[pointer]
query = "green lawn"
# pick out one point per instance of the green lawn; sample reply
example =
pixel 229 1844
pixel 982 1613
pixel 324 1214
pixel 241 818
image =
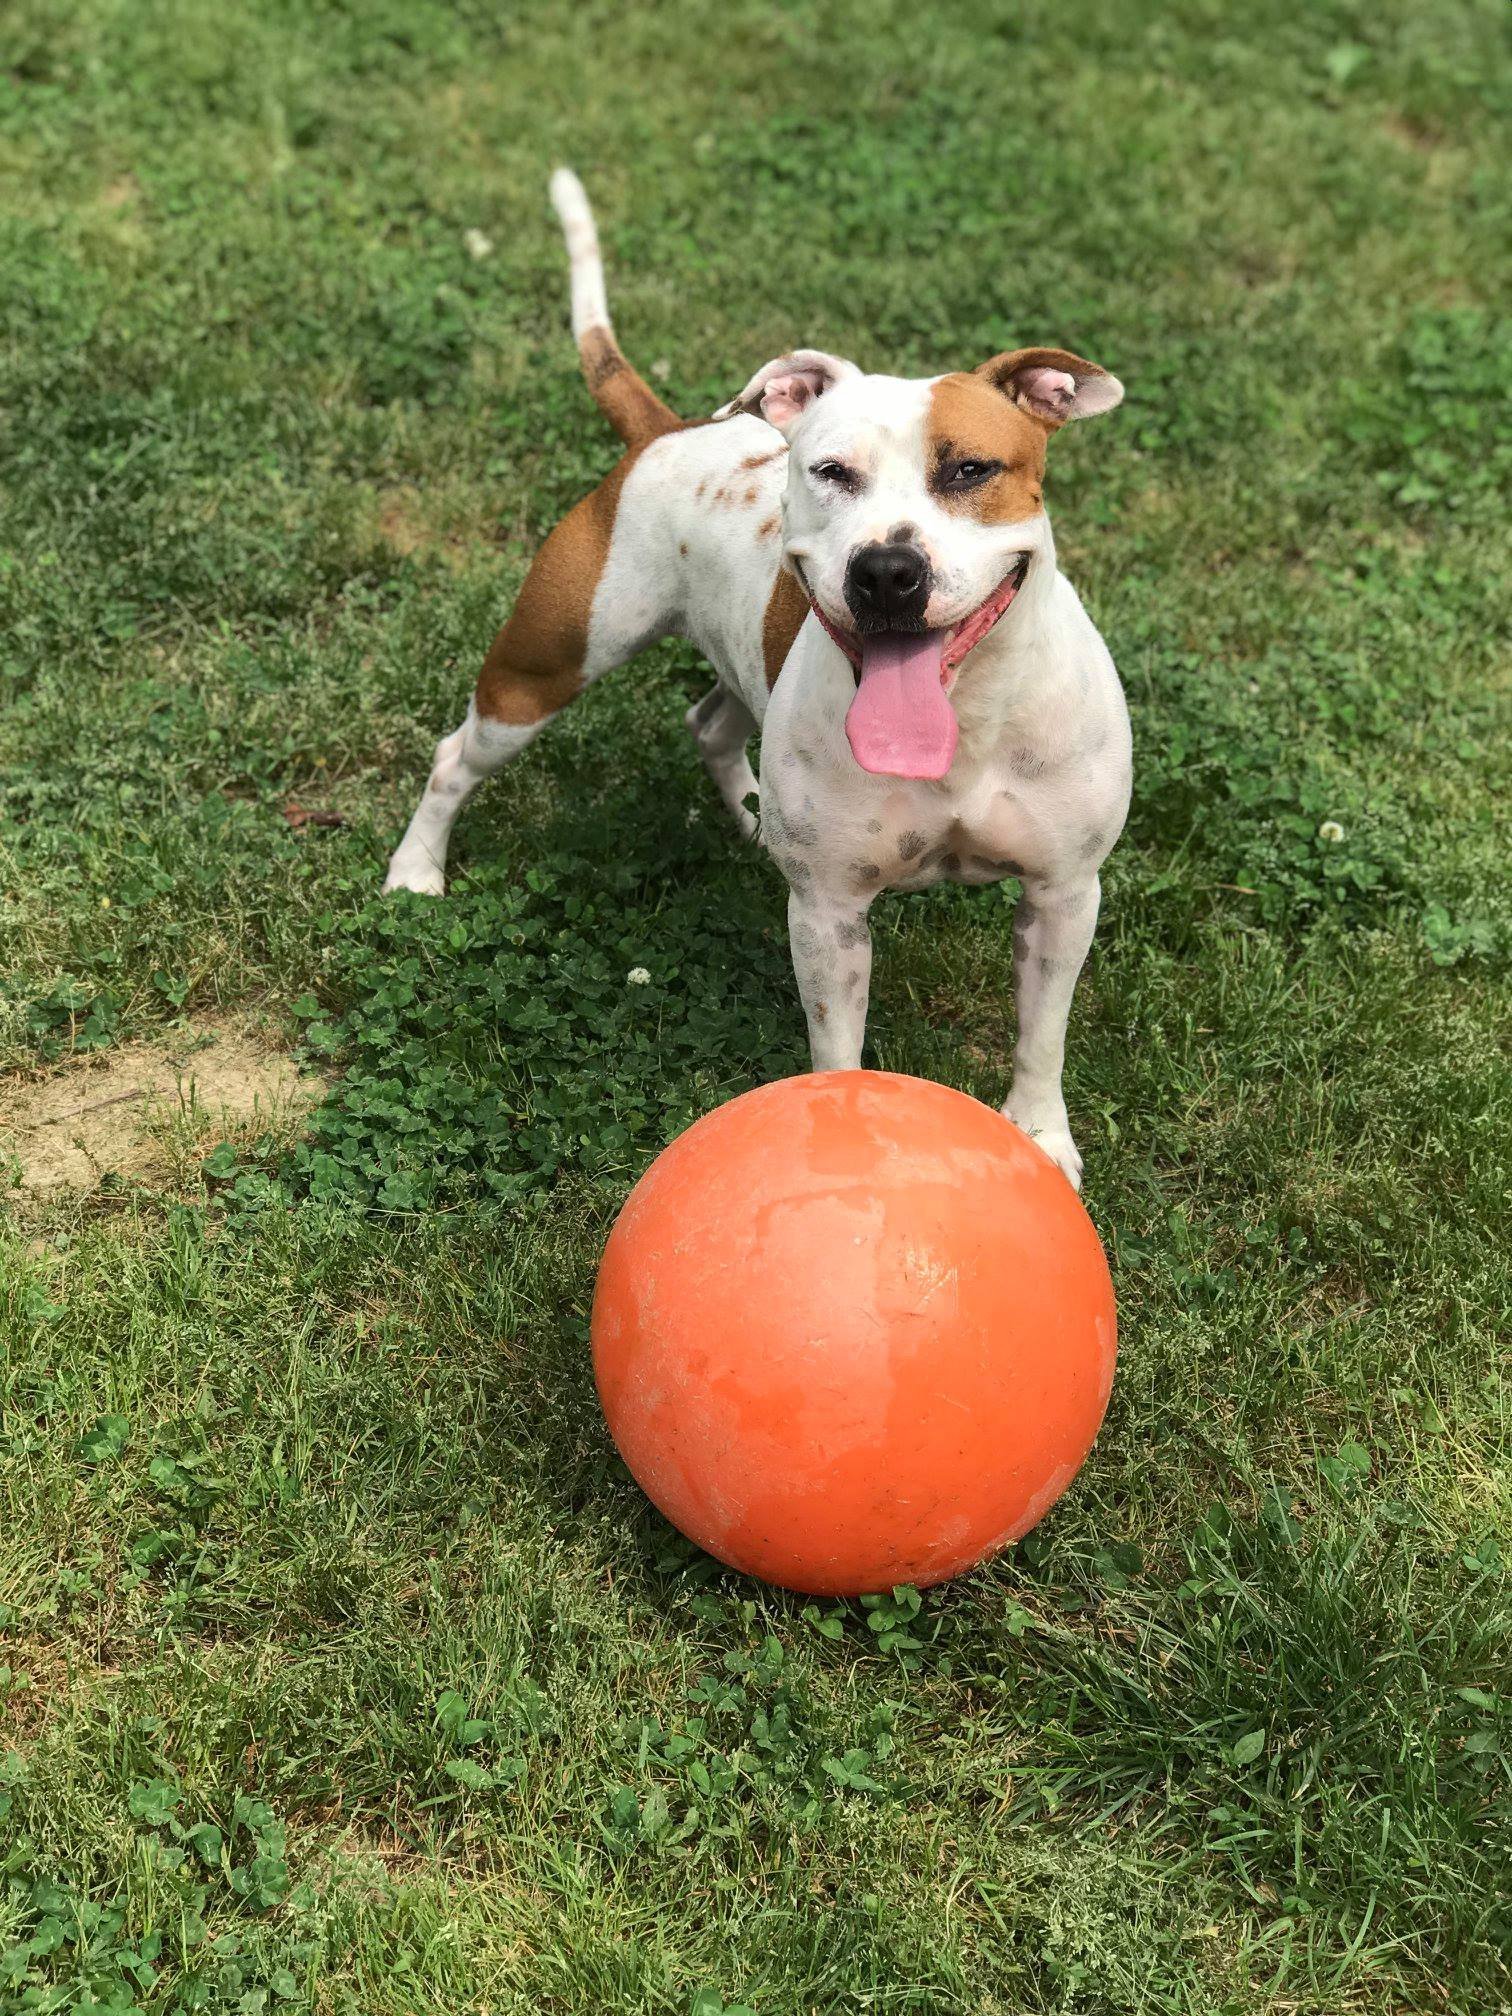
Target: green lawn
pixel 343 1667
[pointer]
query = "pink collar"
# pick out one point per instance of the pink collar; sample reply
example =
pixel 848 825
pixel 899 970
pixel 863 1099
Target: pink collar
pixel 966 635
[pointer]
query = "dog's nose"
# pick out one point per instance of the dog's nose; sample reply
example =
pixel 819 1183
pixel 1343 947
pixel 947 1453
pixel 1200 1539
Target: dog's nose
pixel 887 586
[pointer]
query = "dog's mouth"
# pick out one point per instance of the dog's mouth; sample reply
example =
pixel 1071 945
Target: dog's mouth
pixel 901 722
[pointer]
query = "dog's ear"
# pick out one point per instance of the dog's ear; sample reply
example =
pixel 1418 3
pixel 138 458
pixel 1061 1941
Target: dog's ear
pixel 1053 386
pixel 783 388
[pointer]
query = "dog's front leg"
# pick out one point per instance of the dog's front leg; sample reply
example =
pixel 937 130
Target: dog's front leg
pixel 1052 930
pixel 831 946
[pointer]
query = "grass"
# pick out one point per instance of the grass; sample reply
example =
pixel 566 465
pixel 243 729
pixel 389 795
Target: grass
pixel 343 1666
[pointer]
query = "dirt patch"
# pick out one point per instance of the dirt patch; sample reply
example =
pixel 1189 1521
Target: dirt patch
pixel 1410 133
pixel 121 1114
pixel 37 1681
pixel 417 526
pixel 401 525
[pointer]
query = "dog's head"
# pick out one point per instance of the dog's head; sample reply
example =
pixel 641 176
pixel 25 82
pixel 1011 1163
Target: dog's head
pixel 913 516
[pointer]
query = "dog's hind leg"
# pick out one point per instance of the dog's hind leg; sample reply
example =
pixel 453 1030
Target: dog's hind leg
pixel 562 634
pixel 722 726
pixel 462 760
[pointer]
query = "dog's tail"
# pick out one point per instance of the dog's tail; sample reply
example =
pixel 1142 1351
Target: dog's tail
pixel 626 400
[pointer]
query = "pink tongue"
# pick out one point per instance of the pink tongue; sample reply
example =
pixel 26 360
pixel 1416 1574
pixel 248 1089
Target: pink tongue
pixel 900 723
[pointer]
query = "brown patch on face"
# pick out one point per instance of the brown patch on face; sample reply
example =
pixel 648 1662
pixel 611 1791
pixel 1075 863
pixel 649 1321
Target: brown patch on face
pixel 752 494
pixel 787 605
pixel 535 664
pixel 969 420
pixel 769 527
pixel 760 461
pixel 682 547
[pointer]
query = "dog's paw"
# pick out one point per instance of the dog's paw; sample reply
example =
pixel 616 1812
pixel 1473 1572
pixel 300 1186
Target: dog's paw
pixel 421 876
pixel 1054 1136
pixel 1063 1152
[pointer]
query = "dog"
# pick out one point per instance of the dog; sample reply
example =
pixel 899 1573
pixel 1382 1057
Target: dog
pixel 868 566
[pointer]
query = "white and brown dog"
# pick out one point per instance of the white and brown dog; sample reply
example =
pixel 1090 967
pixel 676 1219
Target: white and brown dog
pixel 867 563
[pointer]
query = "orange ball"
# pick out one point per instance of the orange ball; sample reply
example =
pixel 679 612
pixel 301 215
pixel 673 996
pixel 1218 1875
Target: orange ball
pixel 853 1330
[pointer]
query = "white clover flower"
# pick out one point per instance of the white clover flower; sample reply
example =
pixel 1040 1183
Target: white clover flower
pixel 1331 831
pixel 479 244
pixel 638 977
pixel 662 368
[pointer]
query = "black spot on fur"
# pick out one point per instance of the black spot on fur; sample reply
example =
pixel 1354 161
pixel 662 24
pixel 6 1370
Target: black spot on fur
pixel 911 845
pixel 601 357
pixel 986 866
pixel 1027 763
pixel 852 931
pixel 865 871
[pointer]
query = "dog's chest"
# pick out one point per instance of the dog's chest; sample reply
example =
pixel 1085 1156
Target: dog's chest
pixel 985 832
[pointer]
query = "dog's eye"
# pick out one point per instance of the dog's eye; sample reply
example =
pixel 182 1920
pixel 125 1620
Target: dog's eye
pixel 965 475
pixel 837 473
